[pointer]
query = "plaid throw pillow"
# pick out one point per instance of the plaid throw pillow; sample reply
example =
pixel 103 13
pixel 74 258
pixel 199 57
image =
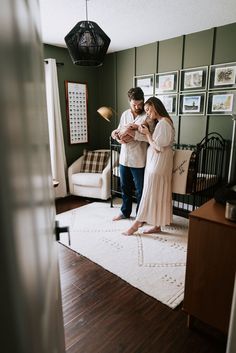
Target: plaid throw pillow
pixel 94 161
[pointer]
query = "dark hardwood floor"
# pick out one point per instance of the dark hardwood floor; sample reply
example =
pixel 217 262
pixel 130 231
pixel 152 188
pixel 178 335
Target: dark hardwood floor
pixel 104 314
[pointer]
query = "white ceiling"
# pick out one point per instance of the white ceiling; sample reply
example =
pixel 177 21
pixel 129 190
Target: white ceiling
pixel 132 23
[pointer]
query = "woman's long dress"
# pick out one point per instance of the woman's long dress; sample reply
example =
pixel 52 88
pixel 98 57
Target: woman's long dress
pixel 156 204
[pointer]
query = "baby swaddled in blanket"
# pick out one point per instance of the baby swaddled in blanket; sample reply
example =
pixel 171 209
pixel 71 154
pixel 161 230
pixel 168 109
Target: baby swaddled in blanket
pixel 127 132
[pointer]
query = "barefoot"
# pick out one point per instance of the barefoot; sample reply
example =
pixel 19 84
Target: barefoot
pixel 118 217
pixel 133 229
pixel 141 224
pixel 130 231
pixel 153 230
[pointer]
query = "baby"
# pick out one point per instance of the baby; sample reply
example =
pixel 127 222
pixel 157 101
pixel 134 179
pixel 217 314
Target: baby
pixel 126 133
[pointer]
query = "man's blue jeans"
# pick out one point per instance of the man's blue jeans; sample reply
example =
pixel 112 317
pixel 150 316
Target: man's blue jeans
pixel 130 179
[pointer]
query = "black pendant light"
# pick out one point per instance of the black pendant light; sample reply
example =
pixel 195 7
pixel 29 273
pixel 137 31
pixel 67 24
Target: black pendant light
pixel 87 43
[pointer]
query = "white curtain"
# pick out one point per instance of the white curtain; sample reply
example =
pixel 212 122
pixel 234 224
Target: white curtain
pixel 57 149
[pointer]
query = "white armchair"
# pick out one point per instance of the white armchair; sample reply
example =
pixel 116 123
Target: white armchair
pixel 94 185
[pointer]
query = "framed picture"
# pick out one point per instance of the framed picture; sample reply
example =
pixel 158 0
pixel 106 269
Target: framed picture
pixel 221 103
pixel 146 82
pixel 166 82
pixel 76 110
pixel 222 76
pixel 192 103
pixel 170 102
pixel 194 79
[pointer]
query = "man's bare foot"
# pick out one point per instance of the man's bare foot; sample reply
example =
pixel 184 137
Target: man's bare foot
pixel 153 230
pixel 133 229
pixel 118 217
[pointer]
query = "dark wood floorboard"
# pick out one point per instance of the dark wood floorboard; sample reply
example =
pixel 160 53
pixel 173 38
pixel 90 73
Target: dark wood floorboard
pixel 68 203
pixel 104 314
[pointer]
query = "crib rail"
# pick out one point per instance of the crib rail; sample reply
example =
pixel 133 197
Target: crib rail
pixel 208 173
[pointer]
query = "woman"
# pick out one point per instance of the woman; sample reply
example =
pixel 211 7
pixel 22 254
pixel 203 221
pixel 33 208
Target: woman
pixel 156 202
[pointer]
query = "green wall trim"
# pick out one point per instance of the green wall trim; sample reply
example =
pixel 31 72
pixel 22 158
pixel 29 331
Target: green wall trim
pixel 146 59
pixel 198 49
pixel 170 54
pixel 225 48
pixel 125 73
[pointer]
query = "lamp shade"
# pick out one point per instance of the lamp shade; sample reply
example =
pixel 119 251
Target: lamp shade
pixel 105 112
pixel 87 44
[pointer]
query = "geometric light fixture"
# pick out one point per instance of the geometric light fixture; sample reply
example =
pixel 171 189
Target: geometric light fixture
pixel 106 113
pixel 87 43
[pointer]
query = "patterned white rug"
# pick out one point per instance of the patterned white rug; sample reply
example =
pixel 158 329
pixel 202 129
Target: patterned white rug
pixel 153 263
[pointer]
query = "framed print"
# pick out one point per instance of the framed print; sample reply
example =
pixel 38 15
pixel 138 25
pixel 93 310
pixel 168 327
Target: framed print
pixel 192 103
pixel 146 82
pixel 222 76
pixel 170 102
pixel 194 79
pixel 221 103
pixel 76 109
pixel 166 82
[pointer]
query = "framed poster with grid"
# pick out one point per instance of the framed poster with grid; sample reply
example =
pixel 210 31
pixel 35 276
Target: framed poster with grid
pixel 76 107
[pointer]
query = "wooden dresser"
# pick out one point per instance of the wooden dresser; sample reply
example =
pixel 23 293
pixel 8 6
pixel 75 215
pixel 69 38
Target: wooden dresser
pixel 211 266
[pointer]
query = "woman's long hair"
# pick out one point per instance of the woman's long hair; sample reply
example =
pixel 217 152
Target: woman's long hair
pixel 158 106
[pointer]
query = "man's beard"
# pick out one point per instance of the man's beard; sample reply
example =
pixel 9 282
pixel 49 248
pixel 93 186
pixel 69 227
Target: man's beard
pixel 138 111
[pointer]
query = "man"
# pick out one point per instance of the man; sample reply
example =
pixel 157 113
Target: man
pixel 133 151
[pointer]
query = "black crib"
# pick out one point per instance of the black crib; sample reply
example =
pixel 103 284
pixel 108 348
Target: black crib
pixel 206 173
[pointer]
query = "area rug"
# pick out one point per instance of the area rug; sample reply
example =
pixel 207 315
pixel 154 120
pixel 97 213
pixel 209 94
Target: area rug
pixel 153 263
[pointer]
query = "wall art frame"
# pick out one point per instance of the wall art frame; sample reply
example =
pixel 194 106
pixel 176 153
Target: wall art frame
pixel 222 76
pixel 76 110
pixel 166 82
pixel 221 103
pixel 192 103
pixel 146 82
pixel 193 79
pixel 170 102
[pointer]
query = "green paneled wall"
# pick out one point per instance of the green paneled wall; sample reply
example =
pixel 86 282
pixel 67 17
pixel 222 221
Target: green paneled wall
pixel 225 48
pixel 176 125
pixel 108 85
pixel 197 52
pixel 107 97
pixel 192 129
pixel 146 59
pixel 170 54
pixel 224 52
pixel 198 49
pixel 222 124
pixel 125 67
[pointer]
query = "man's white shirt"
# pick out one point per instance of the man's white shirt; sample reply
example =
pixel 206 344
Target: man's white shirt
pixel 133 154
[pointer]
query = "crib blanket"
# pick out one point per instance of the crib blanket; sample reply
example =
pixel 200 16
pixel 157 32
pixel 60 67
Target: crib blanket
pixel 180 170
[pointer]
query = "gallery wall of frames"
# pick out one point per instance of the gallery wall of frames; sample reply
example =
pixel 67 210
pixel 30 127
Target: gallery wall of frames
pixel 205 90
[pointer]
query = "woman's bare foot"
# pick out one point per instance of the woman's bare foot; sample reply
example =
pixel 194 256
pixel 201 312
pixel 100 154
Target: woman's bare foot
pixel 130 231
pixel 141 224
pixel 133 229
pixel 153 230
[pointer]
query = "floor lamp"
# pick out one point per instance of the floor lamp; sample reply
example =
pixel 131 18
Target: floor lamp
pixel 106 113
pixel 232 159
